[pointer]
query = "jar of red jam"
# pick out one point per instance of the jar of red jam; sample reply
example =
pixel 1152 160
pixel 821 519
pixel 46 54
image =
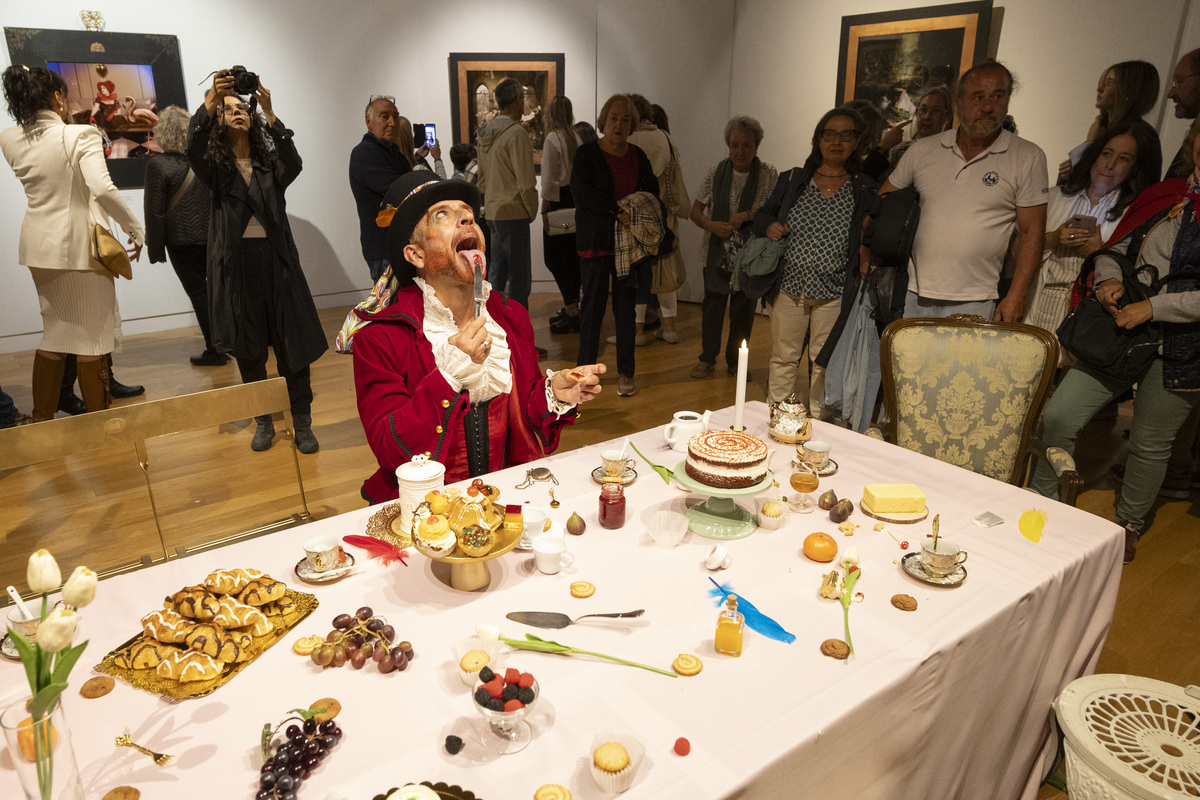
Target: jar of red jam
pixel 612 505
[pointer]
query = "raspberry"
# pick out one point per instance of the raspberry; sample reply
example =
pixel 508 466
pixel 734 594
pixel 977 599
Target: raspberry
pixel 511 676
pixel 495 687
pixel 513 705
pixel 525 695
pixel 509 693
pixel 682 746
pixel 495 704
pixel 482 696
pixel 453 745
pixel 486 674
pixel 525 681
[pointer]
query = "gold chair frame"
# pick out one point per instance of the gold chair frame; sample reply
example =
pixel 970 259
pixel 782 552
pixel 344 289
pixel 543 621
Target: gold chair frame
pixel 134 424
pixel 1069 482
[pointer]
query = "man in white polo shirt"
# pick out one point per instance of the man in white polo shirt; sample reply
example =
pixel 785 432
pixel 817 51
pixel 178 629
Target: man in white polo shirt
pixel 977 182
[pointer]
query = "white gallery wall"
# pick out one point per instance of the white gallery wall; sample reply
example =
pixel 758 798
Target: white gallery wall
pixel 702 60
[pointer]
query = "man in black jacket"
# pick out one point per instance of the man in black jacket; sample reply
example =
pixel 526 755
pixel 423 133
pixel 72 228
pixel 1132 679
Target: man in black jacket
pixel 375 162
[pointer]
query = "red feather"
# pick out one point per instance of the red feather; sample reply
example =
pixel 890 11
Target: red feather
pixel 377 548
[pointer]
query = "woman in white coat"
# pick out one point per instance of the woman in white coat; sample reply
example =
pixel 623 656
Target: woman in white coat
pixel 68 189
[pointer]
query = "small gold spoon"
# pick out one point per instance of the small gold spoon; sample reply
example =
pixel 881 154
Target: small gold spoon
pixel 162 759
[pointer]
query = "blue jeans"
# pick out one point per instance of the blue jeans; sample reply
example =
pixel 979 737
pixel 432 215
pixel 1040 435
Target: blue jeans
pixel 1157 416
pixel 8 410
pixel 509 269
pixel 377 267
pixel 916 306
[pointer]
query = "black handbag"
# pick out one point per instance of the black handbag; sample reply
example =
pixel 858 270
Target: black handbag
pixel 1091 334
pixel 890 234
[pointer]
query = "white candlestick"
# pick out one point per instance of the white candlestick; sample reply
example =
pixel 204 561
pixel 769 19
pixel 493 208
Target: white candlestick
pixel 739 406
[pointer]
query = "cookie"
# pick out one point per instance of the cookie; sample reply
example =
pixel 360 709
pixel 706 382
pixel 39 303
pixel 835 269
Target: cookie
pixel 332 708
pixel 552 791
pixel 687 664
pixel 835 648
pixel 474 661
pixel 582 589
pixel 904 602
pixel 122 793
pixel 96 687
pixel 306 644
pixel 610 757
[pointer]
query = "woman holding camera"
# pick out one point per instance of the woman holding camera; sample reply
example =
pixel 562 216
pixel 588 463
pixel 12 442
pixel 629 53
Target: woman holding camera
pixel 257 292
pixel 66 181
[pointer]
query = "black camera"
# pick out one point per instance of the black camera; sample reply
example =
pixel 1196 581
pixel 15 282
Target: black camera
pixel 244 82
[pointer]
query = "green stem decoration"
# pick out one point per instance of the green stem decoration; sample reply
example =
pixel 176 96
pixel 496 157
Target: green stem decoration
pixel 846 599
pixel 546 646
pixel 663 471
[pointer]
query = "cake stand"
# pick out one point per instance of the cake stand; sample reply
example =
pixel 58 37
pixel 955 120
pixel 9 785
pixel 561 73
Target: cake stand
pixel 469 573
pixel 719 517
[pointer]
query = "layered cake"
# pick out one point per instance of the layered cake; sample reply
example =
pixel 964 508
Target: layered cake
pixel 727 459
pixel 893 498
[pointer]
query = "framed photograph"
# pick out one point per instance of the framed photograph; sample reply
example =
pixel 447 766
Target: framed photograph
pixel 889 58
pixel 473 79
pixel 115 81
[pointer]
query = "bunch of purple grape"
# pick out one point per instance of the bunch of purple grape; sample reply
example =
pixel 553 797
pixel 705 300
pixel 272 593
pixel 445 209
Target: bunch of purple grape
pixel 361 638
pixel 294 760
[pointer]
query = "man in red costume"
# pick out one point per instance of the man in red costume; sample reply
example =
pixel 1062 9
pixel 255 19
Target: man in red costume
pixel 430 375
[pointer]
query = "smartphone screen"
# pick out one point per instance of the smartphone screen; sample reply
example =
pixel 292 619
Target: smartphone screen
pixel 430 135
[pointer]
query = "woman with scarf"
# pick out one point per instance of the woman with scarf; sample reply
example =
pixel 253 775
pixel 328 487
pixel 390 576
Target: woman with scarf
pixel 733 191
pixel 1160 229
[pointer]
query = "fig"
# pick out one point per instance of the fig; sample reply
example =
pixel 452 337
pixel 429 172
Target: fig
pixel 575 524
pixel 827 500
pixel 841 510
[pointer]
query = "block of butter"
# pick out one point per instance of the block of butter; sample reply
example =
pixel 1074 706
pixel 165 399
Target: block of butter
pixel 893 498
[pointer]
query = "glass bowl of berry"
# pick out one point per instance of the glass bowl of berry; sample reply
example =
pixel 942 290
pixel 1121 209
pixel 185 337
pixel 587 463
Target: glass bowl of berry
pixel 504 699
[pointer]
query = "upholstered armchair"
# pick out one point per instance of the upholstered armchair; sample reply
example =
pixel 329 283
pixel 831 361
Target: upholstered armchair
pixel 969 392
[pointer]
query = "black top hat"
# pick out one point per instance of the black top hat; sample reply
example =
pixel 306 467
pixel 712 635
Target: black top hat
pixel 407 200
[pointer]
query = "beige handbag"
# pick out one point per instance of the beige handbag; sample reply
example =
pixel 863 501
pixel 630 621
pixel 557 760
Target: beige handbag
pixel 560 221
pixel 103 245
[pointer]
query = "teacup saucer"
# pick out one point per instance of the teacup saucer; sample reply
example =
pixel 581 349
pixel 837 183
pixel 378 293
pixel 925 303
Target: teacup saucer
pixel 627 477
pixel 8 649
pixel 828 469
pixel 309 575
pixel 915 569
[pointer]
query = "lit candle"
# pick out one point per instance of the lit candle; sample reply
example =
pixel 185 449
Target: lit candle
pixel 739 406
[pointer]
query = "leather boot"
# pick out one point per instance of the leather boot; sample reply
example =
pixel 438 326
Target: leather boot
pixel 93 384
pixel 306 442
pixel 118 389
pixel 68 401
pixel 47 385
pixel 265 435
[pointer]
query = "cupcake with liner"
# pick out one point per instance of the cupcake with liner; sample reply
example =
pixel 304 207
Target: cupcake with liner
pixel 621 780
pixel 770 513
pixel 463 646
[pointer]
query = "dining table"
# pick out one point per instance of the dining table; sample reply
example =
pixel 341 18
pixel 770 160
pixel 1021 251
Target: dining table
pixel 950 700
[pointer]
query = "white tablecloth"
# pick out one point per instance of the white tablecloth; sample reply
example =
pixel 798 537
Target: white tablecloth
pixel 952 700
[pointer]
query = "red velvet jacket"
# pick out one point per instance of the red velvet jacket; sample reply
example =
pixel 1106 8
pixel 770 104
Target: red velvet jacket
pixel 407 407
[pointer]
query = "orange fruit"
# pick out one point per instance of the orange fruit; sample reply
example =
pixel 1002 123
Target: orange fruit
pixel 25 735
pixel 820 547
pixel 804 482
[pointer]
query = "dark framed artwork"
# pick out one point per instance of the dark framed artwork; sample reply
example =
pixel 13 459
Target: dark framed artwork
pixel 473 79
pixel 889 58
pixel 116 81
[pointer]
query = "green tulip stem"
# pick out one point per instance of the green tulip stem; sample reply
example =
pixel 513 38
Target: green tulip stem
pixel 539 645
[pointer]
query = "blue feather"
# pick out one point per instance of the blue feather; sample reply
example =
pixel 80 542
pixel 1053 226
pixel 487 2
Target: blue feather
pixel 755 619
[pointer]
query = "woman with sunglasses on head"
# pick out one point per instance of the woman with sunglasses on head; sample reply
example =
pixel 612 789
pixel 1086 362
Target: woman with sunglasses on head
pixel 257 292
pixel 819 208
pixel 1126 92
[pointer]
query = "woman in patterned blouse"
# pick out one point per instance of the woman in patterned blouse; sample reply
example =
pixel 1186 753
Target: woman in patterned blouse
pixel 819 208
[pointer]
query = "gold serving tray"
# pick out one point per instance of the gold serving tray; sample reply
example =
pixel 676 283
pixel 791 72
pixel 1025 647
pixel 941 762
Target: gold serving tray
pixel 149 680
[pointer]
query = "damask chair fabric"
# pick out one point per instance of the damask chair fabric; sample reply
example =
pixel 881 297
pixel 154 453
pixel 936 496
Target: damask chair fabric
pixel 969 392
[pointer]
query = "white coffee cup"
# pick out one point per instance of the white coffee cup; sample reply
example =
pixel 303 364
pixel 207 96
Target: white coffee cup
pixel 26 626
pixel 323 553
pixel 550 554
pixel 534 523
pixel 614 465
pixel 942 561
pixel 815 453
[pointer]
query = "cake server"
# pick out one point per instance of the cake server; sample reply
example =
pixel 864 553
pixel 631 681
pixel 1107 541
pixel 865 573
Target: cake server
pixel 554 621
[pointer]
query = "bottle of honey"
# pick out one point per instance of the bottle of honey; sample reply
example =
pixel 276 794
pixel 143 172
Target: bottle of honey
pixel 730 627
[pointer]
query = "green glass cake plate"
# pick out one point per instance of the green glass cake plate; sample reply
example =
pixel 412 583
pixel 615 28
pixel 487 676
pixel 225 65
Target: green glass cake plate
pixel 719 517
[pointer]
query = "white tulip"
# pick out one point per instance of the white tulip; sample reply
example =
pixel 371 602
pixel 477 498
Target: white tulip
pixel 80 588
pixel 487 631
pixel 850 557
pixel 57 630
pixel 42 574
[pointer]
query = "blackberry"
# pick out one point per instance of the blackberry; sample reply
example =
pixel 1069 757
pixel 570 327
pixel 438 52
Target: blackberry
pixel 525 695
pixel 482 696
pixel 495 704
pixel 486 674
pixel 453 745
pixel 509 693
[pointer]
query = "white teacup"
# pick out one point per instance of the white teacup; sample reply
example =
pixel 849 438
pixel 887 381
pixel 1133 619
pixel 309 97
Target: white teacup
pixel 534 524
pixel 614 465
pixel 815 453
pixel 26 626
pixel 323 553
pixel 550 554
pixel 942 561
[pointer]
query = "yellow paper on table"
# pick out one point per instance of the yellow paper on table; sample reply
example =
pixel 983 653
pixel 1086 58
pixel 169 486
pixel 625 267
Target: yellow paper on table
pixel 1031 524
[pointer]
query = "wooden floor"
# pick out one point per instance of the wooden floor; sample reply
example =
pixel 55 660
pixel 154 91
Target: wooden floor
pixel 94 509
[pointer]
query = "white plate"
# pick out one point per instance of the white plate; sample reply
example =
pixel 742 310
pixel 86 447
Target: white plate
pixel 309 575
